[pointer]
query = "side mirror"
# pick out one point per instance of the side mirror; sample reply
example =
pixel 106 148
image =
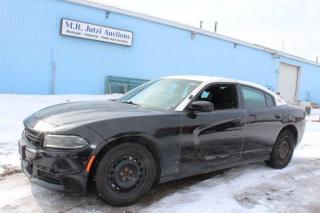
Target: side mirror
pixel 203 106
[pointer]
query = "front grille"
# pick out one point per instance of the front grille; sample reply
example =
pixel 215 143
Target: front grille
pixel 34 137
pixel 47 177
pixel 28 168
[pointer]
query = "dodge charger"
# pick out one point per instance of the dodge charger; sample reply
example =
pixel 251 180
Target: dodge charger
pixel 166 129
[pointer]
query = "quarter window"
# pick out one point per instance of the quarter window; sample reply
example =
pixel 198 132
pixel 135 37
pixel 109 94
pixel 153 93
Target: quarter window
pixel 253 97
pixel 269 99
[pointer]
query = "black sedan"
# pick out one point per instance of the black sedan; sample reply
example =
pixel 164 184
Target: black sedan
pixel 163 130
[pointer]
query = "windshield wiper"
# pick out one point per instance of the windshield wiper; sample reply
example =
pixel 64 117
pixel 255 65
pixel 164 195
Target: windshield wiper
pixel 130 102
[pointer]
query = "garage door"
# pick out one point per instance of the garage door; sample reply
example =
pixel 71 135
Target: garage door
pixel 288 82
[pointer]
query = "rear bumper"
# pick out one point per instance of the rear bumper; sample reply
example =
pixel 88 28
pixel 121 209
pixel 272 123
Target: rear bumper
pixel 57 170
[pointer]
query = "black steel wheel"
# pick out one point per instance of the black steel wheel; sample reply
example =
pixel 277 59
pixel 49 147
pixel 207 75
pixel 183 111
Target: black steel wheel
pixel 282 150
pixel 125 174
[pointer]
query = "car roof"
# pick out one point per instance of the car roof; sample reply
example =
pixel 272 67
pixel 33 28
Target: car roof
pixel 202 78
pixel 214 79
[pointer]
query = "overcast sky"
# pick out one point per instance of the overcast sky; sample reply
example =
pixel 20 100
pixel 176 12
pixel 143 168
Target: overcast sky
pixel 296 23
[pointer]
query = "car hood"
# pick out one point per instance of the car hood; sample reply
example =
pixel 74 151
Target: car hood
pixel 87 112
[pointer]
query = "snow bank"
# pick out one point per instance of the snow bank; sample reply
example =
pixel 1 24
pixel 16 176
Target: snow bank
pixel 256 187
pixel 314 115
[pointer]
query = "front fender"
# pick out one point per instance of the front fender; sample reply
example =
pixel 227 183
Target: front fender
pixel 135 137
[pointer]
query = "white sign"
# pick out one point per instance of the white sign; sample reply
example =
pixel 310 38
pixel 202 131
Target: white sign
pixel 95 32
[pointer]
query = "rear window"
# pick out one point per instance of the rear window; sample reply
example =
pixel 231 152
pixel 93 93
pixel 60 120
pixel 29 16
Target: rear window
pixel 256 98
pixel 253 97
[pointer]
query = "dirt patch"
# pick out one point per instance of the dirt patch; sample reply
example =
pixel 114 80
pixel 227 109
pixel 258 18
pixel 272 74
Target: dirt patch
pixel 246 199
pixel 6 170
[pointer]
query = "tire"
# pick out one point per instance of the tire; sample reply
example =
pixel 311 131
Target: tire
pixel 125 173
pixel 282 150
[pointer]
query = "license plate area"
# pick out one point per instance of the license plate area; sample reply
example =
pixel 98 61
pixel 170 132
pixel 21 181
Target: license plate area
pixel 30 154
pixel 27 153
pixel 22 151
pixel 27 167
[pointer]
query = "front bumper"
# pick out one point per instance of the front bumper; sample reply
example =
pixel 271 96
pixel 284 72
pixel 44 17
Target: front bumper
pixel 61 170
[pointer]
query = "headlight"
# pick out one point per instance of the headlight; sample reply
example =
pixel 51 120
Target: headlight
pixel 64 141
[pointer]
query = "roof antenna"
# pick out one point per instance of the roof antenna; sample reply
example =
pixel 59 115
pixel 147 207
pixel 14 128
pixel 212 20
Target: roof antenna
pixel 201 22
pixel 215 26
pixel 317 59
pixel 282 46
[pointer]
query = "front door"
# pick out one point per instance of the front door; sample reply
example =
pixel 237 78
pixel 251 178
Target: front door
pixel 213 138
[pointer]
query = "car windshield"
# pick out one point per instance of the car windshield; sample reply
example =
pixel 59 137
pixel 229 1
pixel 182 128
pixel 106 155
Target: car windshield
pixel 165 93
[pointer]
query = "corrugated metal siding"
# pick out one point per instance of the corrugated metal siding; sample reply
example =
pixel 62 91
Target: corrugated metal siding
pixel 25 42
pixel 81 65
pixel 31 43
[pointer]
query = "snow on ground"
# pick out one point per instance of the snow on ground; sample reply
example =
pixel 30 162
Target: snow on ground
pixel 248 188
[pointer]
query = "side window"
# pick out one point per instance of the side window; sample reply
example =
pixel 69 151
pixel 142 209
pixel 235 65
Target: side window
pixel 204 95
pixel 269 100
pixel 223 96
pixel 253 97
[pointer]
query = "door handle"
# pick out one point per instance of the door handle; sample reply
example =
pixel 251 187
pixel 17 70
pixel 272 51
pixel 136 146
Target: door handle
pixel 277 115
pixel 238 121
pixel 252 115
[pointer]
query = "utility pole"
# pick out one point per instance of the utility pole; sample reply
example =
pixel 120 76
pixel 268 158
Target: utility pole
pixel 215 26
pixel 201 22
pixel 282 46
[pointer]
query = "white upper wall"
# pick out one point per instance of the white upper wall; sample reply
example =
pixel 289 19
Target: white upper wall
pixel 190 28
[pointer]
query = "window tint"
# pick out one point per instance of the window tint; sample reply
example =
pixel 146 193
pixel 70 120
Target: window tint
pixel 253 97
pixel 222 96
pixel 269 99
pixel 163 93
pixel 205 95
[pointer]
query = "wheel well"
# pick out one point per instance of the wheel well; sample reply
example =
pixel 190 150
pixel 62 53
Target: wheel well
pixel 135 139
pixel 294 131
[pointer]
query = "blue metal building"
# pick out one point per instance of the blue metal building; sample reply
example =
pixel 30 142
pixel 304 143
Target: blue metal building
pixel 43 51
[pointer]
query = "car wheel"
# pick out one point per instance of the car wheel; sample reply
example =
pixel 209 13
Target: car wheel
pixel 282 150
pixel 125 173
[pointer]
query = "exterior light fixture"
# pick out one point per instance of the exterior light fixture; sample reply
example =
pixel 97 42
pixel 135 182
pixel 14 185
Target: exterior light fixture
pixel 193 35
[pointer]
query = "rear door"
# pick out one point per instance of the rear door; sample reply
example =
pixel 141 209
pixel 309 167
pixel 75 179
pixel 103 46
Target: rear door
pixel 263 122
